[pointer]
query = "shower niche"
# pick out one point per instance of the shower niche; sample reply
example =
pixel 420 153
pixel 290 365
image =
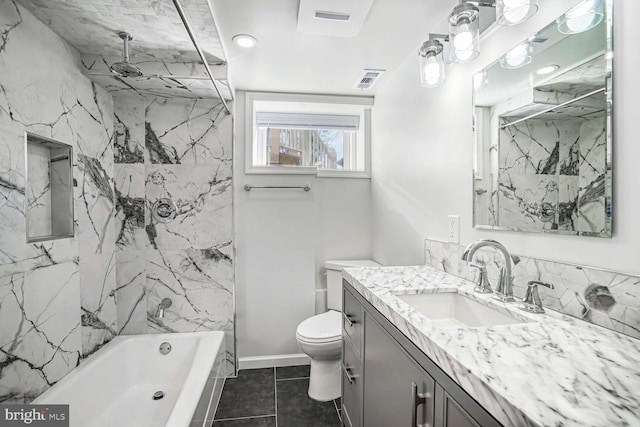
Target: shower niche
pixel 48 188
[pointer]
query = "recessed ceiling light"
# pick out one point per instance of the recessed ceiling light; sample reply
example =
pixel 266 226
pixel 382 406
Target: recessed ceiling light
pixel 245 40
pixel 547 70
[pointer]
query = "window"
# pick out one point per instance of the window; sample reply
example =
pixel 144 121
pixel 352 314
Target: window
pixel 308 134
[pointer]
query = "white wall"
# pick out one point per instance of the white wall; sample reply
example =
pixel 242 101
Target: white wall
pixel 422 156
pixel 283 238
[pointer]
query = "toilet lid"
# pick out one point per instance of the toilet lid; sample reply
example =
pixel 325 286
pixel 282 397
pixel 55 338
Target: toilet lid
pixel 321 328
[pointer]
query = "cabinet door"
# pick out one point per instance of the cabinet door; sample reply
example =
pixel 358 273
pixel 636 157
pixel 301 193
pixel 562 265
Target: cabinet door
pixel 351 387
pixel 450 413
pixel 393 383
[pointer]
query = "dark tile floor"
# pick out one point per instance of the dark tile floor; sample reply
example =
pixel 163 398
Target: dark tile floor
pixel 273 397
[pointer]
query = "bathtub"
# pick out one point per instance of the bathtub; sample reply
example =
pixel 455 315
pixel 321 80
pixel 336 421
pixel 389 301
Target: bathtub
pixel 115 386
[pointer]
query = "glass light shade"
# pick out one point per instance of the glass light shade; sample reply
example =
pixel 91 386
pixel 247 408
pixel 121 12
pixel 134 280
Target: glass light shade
pixel 480 80
pixel 431 65
pixel 464 33
pixel 517 57
pixel 581 18
pixel 512 12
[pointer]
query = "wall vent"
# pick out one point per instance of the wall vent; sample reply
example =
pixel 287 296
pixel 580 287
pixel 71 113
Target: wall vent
pixel 368 79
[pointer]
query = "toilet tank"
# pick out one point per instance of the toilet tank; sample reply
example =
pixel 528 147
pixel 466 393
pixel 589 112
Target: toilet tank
pixel 334 279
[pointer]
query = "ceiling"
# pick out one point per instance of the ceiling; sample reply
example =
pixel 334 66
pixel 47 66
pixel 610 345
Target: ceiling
pixel 92 26
pixel 161 45
pixel 287 60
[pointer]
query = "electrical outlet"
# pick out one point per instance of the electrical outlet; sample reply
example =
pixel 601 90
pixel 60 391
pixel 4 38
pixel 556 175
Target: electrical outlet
pixel 453 231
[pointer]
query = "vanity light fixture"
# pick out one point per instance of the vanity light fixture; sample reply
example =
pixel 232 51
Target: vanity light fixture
pixel 464 36
pixel 512 12
pixel 517 57
pixel 464 33
pixel 548 69
pixel 431 62
pixel 245 41
pixel 464 23
pixel 581 18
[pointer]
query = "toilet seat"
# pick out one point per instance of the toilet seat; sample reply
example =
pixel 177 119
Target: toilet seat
pixel 322 328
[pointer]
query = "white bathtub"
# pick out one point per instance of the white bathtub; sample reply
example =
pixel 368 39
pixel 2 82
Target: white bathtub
pixel 115 386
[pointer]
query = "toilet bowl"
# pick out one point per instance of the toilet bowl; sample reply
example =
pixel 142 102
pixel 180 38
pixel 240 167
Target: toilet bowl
pixel 320 336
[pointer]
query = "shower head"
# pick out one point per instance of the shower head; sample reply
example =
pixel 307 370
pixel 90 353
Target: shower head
pixel 125 68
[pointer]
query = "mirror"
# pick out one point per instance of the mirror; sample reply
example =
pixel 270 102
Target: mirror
pixel 542 137
pixel 49 189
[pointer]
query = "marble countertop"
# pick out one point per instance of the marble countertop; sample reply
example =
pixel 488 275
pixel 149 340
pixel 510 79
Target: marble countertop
pixel 553 371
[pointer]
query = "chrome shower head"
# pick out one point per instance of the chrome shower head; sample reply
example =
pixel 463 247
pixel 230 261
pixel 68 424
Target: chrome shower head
pixel 125 68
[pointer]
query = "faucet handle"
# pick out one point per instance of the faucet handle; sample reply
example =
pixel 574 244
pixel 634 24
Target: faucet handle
pixel 531 301
pixel 482 282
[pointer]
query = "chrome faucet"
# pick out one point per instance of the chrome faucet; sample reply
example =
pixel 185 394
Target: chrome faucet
pixel 165 303
pixel 504 290
pixel 532 302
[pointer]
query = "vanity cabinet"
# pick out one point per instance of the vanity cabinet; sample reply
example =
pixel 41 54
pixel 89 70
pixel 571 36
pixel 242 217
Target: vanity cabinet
pixel 387 381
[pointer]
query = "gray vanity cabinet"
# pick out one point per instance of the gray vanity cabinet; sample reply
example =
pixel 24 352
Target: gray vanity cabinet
pixel 392 383
pixel 389 382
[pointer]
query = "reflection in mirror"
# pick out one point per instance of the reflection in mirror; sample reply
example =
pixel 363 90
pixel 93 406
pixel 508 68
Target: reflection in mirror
pixel 49 189
pixel 542 133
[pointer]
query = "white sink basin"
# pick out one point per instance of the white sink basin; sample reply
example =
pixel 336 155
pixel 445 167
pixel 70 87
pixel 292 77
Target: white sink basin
pixel 453 310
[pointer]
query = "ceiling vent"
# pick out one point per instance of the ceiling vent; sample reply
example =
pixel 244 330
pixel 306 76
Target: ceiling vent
pixel 368 79
pixel 333 18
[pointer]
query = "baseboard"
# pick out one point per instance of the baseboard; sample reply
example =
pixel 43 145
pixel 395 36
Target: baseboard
pixel 271 361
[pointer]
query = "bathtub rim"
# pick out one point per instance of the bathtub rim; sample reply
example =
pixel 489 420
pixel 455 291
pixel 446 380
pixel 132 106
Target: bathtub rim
pixel 185 402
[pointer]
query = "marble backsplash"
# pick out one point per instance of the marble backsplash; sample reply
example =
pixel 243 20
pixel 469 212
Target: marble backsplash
pixel 580 291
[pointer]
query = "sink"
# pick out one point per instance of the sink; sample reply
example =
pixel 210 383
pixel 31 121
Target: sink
pixel 454 310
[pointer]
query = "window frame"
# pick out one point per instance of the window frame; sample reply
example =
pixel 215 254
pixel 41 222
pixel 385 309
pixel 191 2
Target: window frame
pixel 250 133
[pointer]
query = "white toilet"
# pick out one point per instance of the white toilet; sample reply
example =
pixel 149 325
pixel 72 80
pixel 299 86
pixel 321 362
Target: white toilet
pixel 320 336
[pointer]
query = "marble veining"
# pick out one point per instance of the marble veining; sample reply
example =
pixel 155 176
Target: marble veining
pixel 571 283
pixel 554 370
pixel 552 176
pixel 187 158
pixel 181 79
pixel 56 305
pixel 39 341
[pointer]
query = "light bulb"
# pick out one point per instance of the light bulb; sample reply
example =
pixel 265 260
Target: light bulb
pixel 517 55
pixel 464 55
pixel 432 71
pixel 516 11
pixel 464 37
pixel 480 80
pixel 580 18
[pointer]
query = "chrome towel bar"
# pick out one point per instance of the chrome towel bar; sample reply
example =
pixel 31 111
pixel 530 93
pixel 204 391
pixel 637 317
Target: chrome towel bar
pixel 248 187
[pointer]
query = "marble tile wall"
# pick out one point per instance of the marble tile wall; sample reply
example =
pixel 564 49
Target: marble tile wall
pixel 178 149
pixel 579 291
pixel 552 175
pixel 56 297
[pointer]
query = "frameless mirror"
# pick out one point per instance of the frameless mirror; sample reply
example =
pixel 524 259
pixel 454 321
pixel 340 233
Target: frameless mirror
pixel 48 189
pixel 542 119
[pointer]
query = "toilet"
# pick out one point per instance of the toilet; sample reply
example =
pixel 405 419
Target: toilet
pixel 320 336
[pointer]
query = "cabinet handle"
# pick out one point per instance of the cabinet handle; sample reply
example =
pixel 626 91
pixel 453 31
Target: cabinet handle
pixel 350 377
pixel 417 400
pixel 348 319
